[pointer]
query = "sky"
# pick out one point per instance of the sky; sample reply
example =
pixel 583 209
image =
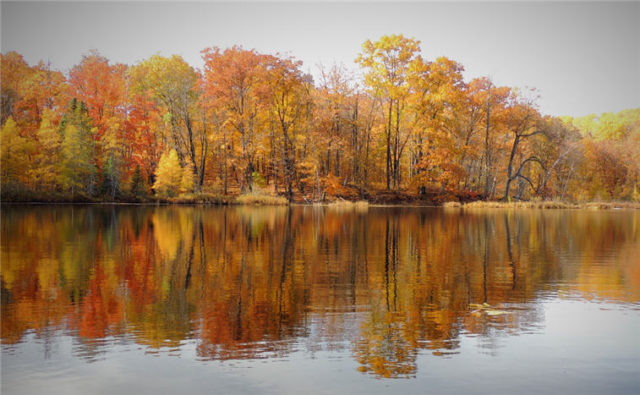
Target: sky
pixel 582 58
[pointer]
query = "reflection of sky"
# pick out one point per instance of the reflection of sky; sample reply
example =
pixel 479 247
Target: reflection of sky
pixel 583 347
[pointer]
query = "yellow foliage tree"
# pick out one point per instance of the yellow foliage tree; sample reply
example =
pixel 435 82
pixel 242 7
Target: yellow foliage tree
pixel 47 159
pixel 168 174
pixel 14 155
pixel 186 182
pixel 388 65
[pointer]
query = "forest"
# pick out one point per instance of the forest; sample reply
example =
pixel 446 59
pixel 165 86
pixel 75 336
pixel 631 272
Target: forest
pixel 402 129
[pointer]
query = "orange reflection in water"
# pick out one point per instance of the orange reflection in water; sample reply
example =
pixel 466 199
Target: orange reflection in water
pixel 247 282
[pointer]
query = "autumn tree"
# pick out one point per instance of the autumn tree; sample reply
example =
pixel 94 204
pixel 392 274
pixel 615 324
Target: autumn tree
pixel 47 159
pixel 174 84
pixel 169 174
pixel 558 152
pixel 473 130
pixel 289 96
pixel 523 125
pixel 186 180
pixel 28 91
pixel 15 153
pixel 437 102
pixel 337 144
pixel 387 63
pixel 235 82
pixel 144 126
pixel 100 86
pixel 44 90
pixel 13 73
pixel 611 155
pixel 323 145
pixel 485 112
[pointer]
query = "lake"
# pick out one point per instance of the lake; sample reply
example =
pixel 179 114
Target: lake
pixel 166 299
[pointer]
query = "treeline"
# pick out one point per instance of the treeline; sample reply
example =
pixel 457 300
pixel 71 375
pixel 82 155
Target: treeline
pixel 410 128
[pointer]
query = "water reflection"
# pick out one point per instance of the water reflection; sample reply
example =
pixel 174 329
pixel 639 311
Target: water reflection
pixel 383 285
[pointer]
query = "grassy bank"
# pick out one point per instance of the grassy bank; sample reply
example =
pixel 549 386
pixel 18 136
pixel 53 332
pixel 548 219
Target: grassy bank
pixel 261 199
pixel 252 199
pixel 544 205
pixel 197 198
pixel 189 198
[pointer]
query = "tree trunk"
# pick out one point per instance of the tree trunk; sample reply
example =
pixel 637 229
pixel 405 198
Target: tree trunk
pixel 510 176
pixel 487 154
pixel 389 145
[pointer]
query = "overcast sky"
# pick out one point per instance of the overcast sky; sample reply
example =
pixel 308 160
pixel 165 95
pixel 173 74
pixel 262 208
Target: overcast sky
pixel 582 57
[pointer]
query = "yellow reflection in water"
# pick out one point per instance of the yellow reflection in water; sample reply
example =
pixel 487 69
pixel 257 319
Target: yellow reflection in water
pixel 245 282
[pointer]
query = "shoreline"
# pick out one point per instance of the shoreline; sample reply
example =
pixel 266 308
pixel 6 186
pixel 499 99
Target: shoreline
pixel 347 204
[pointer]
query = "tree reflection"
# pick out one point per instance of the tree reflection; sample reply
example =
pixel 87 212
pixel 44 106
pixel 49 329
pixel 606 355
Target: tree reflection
pixel 251 282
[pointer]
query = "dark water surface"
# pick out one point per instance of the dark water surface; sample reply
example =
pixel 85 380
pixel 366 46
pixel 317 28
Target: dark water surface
pixel 299 300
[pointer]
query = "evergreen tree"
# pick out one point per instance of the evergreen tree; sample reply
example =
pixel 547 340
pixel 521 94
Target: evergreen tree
pixel 110 178
pixel 78 171
pixel 137 188
pixel 112 146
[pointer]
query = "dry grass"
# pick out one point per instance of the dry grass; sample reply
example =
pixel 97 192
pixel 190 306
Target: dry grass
pixel 531 204
pixel 198 198
pixel 261 199
pixel 611 205
pixel 451 204
pixel 550 205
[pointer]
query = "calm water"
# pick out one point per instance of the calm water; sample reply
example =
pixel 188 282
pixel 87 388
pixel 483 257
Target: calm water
pixel 317 300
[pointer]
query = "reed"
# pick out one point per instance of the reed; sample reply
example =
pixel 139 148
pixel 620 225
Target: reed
pixel 551 204
pixel 261 199
pixel 198 198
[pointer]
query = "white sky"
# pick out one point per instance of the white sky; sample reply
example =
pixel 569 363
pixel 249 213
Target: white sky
pixel 582 57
